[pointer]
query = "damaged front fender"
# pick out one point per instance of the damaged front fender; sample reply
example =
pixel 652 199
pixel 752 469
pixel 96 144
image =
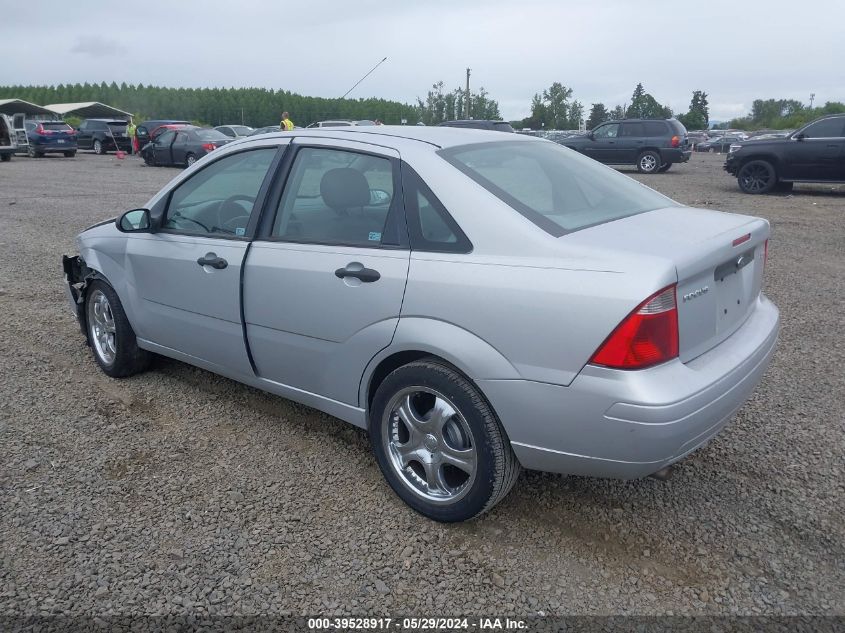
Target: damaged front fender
pixel 77 278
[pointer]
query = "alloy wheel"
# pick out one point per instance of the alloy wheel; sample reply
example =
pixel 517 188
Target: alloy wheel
pixel 755 178
pixel 102 327
pixel 429 445
pixel 648 163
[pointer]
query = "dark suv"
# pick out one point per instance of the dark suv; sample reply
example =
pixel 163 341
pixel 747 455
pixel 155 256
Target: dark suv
pixel 653 145
pixel 480 124
pixel 815 153
pixel 103 135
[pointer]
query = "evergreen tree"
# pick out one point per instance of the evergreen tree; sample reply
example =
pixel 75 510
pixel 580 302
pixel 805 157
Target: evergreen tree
pixel 598 114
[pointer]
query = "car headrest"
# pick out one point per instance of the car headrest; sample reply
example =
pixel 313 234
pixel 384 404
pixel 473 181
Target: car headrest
pixel 344 188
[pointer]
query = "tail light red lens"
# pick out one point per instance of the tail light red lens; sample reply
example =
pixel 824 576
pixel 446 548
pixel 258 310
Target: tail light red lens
pixel 40 130
pixel 676 141
pixel 648 336
pixel 209 146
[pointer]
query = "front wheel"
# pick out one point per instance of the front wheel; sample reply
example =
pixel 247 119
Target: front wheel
pixel 648 162
pixel 439 444
pixel 110 335
pixel 757 176
pixel 5 157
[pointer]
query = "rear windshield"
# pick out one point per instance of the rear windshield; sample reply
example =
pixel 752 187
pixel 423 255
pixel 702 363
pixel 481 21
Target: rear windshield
pixel 556 188
pixel 241 130
pixel 211 135
pixel 118 125
pixel 55 125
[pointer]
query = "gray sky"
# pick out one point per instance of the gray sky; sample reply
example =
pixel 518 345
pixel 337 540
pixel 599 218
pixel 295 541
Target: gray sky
pixel 735 50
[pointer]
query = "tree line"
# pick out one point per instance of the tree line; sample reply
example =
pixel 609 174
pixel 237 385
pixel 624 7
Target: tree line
pixel 257 107
pixel 782 114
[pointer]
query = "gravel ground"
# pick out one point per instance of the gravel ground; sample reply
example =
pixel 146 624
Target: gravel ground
pixel 180 491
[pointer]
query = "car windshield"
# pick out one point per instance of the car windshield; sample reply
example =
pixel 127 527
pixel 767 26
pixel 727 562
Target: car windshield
pixel 241 130
pixel 556 188
pixel 211 135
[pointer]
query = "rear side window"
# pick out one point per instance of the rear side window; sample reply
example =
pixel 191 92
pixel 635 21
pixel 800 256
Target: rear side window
pixel 559 190
pixel 654 128
pixel 430 226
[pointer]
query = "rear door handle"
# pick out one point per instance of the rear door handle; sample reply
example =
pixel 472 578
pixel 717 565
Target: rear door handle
pixel 354 269
pixel 211 259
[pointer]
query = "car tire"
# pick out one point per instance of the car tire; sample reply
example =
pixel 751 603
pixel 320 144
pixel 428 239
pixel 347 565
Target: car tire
pixel 418 450
pixel 784 187
pixel 70 154
pixel 664 168
pixel 5 157
pixel 756 177
pixel 148 159
pixel 30 151
pixel 190 159
pixel 110 336
pixel 648 162
pixel 98 147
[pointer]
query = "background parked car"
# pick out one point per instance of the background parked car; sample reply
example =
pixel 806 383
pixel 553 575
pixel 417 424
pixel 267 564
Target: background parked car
pixel 142 132
pixel 235 131
pixel 480 124
pixel 653 145
pixel 719 144
pixel 103 135
pixel 341 123
pixel 183 146
pixel 265 130
pixel 161 129
pixel 815 153
pixel 50 137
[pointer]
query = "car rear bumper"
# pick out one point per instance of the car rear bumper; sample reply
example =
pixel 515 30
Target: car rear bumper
pixel 629 424
pixel 673 155
pixel 53 147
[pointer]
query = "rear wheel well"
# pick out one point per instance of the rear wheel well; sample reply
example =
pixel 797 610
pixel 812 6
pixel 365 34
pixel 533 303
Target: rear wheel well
pixel 397 360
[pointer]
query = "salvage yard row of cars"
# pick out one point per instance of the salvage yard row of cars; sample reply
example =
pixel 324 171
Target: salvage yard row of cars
pixel 763 163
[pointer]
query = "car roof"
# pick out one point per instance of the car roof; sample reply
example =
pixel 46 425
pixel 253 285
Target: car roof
pixel 108 120
pixel 440 137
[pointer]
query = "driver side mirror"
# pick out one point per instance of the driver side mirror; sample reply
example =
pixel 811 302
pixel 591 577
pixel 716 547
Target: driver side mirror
pixel 591 136
pixel 134 221
pixel 800 136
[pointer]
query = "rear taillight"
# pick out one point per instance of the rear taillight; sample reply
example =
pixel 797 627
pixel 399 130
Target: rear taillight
pixel 40 130
pixel 209 146
pixel 648 336
pixel 676 141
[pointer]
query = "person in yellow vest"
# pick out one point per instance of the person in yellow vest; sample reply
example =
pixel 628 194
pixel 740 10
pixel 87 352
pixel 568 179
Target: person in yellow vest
pixel 133 140
pixel 286 124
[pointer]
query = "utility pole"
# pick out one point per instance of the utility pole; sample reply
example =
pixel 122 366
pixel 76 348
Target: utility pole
pixel 812 98
pixel 468 96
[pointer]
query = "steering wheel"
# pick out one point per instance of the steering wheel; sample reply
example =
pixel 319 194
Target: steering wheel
pixel 235 212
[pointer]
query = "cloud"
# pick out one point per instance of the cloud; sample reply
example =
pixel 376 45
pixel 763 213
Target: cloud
pixel 98 46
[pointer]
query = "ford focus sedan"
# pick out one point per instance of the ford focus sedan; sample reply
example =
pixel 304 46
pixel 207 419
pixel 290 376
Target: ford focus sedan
pixel 479 304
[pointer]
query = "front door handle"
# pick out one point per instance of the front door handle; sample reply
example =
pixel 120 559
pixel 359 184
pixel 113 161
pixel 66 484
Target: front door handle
pixel 354 269
pixel 211 259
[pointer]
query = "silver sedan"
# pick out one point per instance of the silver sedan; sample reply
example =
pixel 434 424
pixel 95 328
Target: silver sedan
pixel 479 303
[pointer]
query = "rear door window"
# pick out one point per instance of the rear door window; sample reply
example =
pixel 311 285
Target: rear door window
pixel 633 129
pixel 335 196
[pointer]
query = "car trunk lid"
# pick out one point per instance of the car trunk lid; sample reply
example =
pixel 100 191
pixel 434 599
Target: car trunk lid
pixel 718 259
